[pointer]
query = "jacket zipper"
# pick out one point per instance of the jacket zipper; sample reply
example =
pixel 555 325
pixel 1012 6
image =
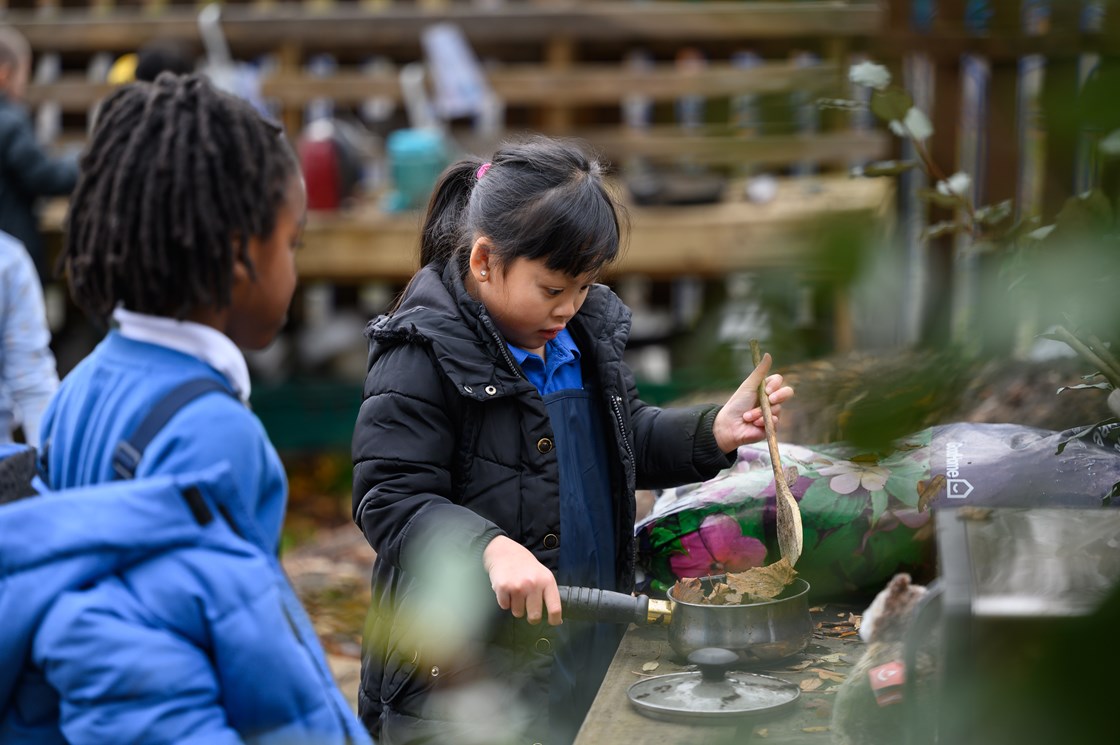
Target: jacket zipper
pixel 616 406
pixel 513 366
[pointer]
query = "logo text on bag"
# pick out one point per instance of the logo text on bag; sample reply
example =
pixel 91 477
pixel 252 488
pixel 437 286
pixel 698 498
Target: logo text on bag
pixel 955 486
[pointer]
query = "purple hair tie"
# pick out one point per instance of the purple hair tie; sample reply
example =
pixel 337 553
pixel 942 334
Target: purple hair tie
pixel 482 169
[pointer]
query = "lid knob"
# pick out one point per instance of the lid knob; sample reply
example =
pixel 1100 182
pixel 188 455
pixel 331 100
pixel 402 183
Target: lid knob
pixel 713 662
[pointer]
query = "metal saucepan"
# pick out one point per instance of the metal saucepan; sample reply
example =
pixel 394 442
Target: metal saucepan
pixel 757 632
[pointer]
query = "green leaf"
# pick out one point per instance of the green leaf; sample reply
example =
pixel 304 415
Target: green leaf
pixel 903 483
pixel 993 214
pixel 1089 212
pixel 1102 386
pixel 889 167
pixel 942 229
pixel 824 508
pixel 879 500
pixel 891 104
pixel 933 196
pixel 830 562
pixel 1040 234
pixel 662 538
pixel 888 552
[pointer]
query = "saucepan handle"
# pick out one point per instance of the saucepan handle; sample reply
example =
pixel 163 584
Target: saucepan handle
pixel 604 606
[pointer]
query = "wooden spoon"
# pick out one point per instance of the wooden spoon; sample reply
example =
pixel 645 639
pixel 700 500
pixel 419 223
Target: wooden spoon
pixel 790 533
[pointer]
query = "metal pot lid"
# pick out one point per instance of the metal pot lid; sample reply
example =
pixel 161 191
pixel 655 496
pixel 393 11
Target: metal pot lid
pixel 711 695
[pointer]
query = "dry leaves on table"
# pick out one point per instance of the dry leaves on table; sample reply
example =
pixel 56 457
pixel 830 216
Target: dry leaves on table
pixel 847 627
pixel 755 585
pixel 828 675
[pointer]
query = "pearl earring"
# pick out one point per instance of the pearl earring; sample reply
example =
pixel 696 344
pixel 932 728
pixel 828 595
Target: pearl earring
pixel 483 272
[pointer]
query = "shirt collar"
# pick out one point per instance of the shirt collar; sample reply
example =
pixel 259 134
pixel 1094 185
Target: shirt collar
pixel 206 343
pixel 559 350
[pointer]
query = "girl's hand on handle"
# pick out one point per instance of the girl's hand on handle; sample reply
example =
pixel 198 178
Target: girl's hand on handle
pixel 740 422
pixel 522 585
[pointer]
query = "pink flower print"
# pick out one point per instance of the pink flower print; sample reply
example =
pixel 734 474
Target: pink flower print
pixel 848 476
pixel 717 546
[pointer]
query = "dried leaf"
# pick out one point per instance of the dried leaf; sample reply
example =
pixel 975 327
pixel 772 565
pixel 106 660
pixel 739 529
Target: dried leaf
pixel 927 490
pixel 649 667
pixel 752 586
pixel 689 590
pixel 980 514
pixel 829 675
pixel 762 732
pixel 814 729
pixel 800 665
pixel 816 609
pixel 764 582
pixel 810 684
pixel 889 167
pixel 834 659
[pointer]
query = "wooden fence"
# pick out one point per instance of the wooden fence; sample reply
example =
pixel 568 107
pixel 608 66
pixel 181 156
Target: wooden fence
pixel 1017 91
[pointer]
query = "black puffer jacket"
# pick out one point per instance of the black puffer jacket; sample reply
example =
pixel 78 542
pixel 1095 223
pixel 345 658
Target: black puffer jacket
pixel 452 447
pixel 27 173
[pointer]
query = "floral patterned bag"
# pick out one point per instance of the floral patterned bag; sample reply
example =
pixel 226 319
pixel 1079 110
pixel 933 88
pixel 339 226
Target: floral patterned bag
pixel 865 515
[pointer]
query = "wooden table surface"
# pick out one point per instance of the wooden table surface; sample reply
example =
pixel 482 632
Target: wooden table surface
pixel 818 670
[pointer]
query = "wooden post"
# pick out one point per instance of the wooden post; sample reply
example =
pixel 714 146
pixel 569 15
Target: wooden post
pixel 948 24
pixel 1059 111
pixel 1008 330
pixel 560 53
pixel 289 56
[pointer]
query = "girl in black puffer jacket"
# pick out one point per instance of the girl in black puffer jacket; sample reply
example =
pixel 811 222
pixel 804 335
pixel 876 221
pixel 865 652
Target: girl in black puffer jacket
pixel 496 454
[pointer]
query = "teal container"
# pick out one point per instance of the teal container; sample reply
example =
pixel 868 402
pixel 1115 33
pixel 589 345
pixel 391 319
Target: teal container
pixel 416 159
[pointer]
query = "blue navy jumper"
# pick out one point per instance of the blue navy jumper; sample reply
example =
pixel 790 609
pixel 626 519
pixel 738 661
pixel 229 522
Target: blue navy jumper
pixel 587 549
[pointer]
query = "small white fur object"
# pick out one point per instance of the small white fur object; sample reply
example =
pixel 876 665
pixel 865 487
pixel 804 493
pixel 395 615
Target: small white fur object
pixel 898 598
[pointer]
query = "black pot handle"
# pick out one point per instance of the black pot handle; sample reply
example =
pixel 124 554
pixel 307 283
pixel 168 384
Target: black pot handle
pixel 604 606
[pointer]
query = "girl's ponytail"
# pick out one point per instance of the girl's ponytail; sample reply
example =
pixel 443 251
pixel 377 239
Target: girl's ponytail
pixel 444 231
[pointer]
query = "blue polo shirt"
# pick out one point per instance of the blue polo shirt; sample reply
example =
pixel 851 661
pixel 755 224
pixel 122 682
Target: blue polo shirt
pixel 559 372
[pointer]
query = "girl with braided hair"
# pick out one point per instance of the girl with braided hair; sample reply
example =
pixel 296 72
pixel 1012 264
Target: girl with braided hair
pixel 181 237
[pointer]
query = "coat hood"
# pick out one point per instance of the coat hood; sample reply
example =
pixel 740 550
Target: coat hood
pixel 61 540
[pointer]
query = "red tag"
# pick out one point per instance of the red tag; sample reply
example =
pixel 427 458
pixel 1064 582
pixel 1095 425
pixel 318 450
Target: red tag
pixel 886 682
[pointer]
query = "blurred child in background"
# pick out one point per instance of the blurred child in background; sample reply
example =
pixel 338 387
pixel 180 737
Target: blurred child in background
pixel 28 376
pixel 26 171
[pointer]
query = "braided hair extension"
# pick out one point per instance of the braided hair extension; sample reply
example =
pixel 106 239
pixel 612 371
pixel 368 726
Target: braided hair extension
pixel 177 176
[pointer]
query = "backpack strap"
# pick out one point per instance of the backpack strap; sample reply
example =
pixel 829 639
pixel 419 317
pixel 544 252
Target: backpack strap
pixel 128 452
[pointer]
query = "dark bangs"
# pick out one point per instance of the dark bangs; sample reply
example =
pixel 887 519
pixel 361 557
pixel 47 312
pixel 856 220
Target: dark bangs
pixel 574 227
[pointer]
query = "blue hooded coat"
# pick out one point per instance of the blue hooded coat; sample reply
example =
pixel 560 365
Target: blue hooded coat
pixel 150 611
